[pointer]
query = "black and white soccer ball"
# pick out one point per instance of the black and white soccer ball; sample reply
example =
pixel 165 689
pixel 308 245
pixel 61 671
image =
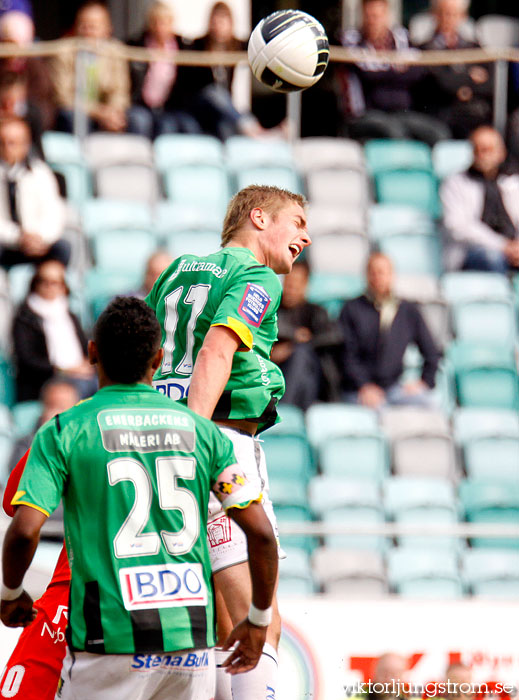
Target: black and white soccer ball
pixel 288 51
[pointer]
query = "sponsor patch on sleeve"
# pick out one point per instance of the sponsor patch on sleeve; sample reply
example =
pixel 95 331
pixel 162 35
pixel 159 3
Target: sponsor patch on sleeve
pixel 254 304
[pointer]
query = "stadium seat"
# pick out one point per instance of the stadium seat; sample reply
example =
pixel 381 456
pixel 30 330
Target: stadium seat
pixel 173 150
pixel 193 243
pixel 6 446
pixel 451 156
pixel 459 287
pixel 98 215
pixel 424 290
pixel 19 277
pixel 391 219
pixel 6 420
pixel 413 254
pixel 356 455
pixel 486 376
pixel 324 153
pixel 176 216
pixel 338 188
pixel 328 219
pixel 292 421
pixel 130 181
pixel 494 502
pixel 476 321
pixel 102 285
pixel 123 250
pixel 418 572
pixel 324 421
pixel 417 188
pixel 290 500
pixel 103 149
pixel 498 31
pixel 63 154
pixel 339 253
pixel 7 385
pixel 350 574
pixel 288 456
pixel 332 290
pixel 490 442
pixel 295 573
pixel 25 416
pixel 203 186
pixel 491 573
pixel 397 154
pixel 285 177
pixel 241 151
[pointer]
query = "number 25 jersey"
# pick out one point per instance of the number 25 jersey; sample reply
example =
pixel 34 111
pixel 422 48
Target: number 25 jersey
pixel 227 288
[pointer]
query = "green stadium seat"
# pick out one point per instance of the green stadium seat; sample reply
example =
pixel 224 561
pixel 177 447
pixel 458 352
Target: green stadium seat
pixel 284 177
pixel 491 573
pixel 102 285
pixel 356 518
pixel 123 250
pixel 193 243
pixel 25 416
pixel 241 151
pixel 332 290
pixel 172 150
pixel 292 421
pixel 205 186
pixel 407 494
pixel 99 215
pixel 289 496
pixel 6 446
pixel 6 420
pixel 295 573
pixel 486 376
pixel 397 154
pixel 289 456
pixel 464 286
pixel 324 421
pixel 356 455
pixel 19 281
pixel 476 321
pixel 391 219
pixel 451 156
pixel 418 572
pixel 490 442
pixel 413 254
pixel 417 188
pixel 171 217
pixel 64 155
pixel 493 502
pixel 7 381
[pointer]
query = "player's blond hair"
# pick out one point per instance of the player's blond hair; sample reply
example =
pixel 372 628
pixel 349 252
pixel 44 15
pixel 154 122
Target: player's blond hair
pixel 266 197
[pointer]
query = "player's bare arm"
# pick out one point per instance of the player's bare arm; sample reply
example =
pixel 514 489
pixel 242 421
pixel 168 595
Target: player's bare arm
pixel 21 540
pixel 212 370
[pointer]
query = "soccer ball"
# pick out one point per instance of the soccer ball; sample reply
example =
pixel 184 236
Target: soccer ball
pixel 288 51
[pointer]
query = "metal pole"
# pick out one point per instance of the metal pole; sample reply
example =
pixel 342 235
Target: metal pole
pixel 80 116
pixel 294 100
pixel 500 95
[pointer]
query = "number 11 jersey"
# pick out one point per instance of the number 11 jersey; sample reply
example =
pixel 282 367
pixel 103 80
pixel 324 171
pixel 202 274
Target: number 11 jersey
pixel 227 288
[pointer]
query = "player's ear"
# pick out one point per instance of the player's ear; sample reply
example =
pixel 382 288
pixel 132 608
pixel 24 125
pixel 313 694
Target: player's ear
pixel 258 217
pixel 93 356
pixel 157 360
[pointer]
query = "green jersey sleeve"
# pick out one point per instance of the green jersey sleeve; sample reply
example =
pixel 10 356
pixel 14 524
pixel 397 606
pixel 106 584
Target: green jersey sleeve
pixel 45 474
pixel 250 302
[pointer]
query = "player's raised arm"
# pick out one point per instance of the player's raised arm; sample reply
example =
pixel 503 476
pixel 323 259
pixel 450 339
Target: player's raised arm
pixel 212 370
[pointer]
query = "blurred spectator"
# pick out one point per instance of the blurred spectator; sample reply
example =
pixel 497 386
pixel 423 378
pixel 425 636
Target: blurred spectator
pixel 377 97
pixel 390 669
pixel 16 27
pixel 206 91
pixel 15 102
pixel 460 94
pixel 24 6
pixel 57 395
pixel 107 94
pixel 307 345
pixel 48 338
pixel 155 107
pixel 32 214
pixel 377 328
pixel 157 263
pixel 481 209
pixel 456 675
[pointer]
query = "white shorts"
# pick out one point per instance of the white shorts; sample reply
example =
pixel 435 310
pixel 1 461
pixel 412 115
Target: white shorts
pixel 227 541
pixel 183 675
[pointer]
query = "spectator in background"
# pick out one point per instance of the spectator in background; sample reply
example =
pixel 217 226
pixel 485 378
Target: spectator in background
pixel 24 6
pixel 15 102
pixel 206 91
pixel 460 94
pixel 156 107
pixel 17 28
pixel 307 345
pixel 481 209
pixel 377 97
pixel 32 214
pixel 455 675
pixel 389 670
pixel 107 76
pixel 56 395
pixel 157 263
pixel 377 328
pixel 48 338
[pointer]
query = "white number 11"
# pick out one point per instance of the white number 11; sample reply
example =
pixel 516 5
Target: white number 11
pixel 196 296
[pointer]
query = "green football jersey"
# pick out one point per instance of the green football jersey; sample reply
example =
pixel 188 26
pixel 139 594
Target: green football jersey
pixel 227 288
pixel 135 471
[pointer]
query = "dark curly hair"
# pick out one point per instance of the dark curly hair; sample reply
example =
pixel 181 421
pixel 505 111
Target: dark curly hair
pixel 127 335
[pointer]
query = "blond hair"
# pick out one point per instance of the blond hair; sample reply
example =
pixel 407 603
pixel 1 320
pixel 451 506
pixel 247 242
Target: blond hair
pixel 270 199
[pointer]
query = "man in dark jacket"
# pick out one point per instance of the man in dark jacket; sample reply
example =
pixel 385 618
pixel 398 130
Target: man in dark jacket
pixel 377 329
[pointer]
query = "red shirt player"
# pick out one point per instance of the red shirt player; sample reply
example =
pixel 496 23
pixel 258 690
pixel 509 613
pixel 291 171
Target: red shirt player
pixel 33 669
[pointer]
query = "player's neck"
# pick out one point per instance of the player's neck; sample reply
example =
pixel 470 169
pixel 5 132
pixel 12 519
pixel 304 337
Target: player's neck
pixel 249 242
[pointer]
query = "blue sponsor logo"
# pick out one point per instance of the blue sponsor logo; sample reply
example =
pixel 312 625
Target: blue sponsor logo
pixel 162 586
pixel 146 662
pixel 254 304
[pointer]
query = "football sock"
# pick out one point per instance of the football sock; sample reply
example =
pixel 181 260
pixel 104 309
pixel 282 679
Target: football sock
pixel 261 682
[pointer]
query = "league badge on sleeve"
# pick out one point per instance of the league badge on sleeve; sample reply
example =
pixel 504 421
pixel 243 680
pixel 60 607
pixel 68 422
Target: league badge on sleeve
pixel 254 304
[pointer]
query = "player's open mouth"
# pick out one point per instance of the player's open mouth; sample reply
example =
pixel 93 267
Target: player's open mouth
pixel 294 249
